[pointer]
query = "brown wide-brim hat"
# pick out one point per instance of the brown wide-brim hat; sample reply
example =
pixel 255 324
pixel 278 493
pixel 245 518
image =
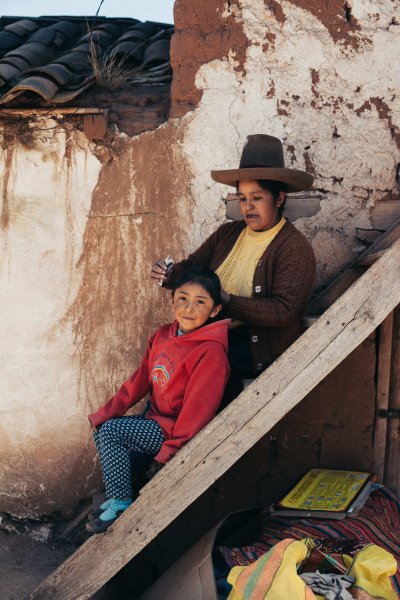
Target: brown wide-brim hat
pixel 262 158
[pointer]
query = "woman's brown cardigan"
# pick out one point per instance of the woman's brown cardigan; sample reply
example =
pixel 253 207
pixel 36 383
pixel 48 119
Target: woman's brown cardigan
pixel 282 285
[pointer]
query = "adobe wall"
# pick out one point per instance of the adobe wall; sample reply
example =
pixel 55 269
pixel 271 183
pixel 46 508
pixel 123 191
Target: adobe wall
pixel 80 225
pixel 81 222
pixel 319 75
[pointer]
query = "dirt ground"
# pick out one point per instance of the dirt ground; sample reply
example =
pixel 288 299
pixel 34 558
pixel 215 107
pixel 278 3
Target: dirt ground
pixel 31 550
pixel 25 562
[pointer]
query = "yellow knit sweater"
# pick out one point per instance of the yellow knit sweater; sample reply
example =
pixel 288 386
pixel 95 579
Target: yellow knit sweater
pixel 237 271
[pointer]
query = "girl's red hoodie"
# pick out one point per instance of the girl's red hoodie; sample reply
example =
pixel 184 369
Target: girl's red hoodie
pixel 186 377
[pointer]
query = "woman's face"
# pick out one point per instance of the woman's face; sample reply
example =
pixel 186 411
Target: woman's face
pixel 258 206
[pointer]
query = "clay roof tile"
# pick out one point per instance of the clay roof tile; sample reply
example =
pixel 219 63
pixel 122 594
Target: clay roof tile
pixel 132 51
pixel 51 57
pixel 22 27
pixel 56 34
pixel 156 53
pixel 33 53
pixel 61 74
pixel 40 85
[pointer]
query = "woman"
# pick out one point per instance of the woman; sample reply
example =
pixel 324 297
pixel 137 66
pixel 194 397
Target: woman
pixel 266 266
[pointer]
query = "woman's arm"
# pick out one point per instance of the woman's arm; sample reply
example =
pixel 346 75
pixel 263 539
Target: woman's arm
pixel 293 278
pixel 201 257
pixel 201 400
pixel 130 392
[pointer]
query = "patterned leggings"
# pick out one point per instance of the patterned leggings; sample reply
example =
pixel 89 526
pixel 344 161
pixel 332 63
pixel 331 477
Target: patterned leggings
pixel 115 440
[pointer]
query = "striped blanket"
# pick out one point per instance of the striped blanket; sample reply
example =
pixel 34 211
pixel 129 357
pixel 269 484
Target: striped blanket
pixel 377 523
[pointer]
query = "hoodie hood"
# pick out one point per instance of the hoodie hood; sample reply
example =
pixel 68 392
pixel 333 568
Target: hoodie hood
pixel 216 332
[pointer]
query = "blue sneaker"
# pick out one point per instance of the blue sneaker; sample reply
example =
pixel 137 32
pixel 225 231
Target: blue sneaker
pixel 102 523
pixel 114 508
pixel 96 512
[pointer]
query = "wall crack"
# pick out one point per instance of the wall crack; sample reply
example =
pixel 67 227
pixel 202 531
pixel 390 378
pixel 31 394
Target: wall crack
pixel 135 214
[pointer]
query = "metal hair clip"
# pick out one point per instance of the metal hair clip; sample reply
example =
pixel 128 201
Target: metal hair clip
pixel 168 263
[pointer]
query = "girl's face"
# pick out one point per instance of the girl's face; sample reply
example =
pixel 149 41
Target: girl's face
pixel 258 206
pixel 192 306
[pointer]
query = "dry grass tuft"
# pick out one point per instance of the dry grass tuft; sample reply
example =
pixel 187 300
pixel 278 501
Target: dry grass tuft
pixel 111 71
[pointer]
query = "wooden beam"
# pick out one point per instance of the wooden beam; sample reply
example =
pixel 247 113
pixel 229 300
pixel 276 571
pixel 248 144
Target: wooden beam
pixel 95 126
pixel 369 236
pixel 392 459
pixel 384 213
pixel 44 112
pixel 382 395
pixel 354 270
pixel 232 433
pixel 370 259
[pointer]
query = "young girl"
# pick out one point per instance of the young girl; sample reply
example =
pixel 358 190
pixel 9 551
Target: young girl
pixel 185 369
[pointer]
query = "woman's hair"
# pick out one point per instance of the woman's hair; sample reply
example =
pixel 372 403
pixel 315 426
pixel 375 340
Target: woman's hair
pixel 202 276
pixel 275 187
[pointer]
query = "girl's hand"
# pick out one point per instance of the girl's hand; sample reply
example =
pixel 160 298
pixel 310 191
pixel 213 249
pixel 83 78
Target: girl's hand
pixel 154 467
pixel 159 272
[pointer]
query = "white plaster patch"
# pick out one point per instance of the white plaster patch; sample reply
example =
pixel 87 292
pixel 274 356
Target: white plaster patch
pixel 306 89
pixel 375 15
pixel 48 199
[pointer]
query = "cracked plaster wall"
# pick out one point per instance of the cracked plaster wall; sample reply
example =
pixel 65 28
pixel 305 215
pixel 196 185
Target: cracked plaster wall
pixel 46 191
pixel 79 229
pixel 320 77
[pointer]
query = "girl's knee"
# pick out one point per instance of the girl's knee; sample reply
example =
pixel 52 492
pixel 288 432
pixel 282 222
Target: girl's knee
pixel 110 428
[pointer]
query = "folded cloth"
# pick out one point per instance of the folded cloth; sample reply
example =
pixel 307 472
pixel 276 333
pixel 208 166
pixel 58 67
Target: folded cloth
pixel 373 569
pixel 274 576
pixel 333 587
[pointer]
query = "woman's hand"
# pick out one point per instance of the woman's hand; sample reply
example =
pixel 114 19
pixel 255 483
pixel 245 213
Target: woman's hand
pixel 159 272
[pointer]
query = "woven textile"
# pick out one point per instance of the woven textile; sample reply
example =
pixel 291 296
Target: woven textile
pixel 377 523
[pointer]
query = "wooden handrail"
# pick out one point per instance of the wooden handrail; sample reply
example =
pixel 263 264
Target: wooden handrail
pixel 339 284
